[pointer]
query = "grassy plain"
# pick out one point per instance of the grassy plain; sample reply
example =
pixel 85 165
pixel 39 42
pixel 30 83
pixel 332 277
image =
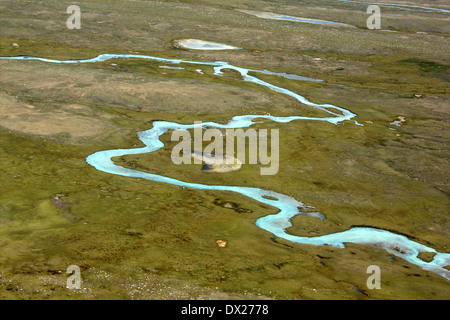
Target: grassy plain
pixel 136 239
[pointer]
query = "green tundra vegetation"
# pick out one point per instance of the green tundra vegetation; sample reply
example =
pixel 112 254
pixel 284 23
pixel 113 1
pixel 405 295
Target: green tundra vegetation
pixel 137 239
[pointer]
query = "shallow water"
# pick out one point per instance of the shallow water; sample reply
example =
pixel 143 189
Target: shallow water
pixel 276 224
pixel 275 16
pixel 289 76
pixel 396 5
pixel 169 67
pixel 289 18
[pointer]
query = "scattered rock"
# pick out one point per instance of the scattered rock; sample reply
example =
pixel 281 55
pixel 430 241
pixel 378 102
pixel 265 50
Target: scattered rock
pixel 399 122
pixel 63 205
pixel 221 243
pixel 60 203
pixel 54 272
pixel 231 205
pixel 307 209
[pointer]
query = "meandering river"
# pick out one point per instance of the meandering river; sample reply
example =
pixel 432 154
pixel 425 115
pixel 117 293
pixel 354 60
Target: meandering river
pixel 288 207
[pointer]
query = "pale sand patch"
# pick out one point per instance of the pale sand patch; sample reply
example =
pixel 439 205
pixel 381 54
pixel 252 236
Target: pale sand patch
pixel 26 118
pixel 203 45
pixel 218 163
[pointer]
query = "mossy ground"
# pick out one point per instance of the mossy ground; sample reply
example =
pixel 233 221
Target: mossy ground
pixel 139 239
